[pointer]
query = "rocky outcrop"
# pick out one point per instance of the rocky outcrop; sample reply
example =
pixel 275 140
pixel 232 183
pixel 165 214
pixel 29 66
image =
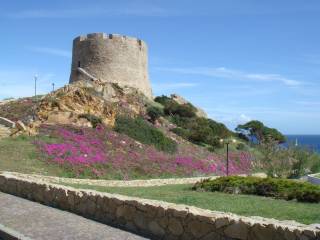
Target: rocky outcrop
pixel 104 100
pixel 156 219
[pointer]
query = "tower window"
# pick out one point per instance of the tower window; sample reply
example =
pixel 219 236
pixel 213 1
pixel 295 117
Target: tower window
pixel 79 65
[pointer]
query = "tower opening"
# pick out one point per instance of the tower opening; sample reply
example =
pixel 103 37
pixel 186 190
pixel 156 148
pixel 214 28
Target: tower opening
pixel 79 64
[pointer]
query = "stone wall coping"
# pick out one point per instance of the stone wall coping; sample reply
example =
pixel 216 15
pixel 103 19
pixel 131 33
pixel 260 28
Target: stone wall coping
pixel 110 183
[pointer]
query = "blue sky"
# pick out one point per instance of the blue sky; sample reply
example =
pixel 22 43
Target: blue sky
pixel 238 60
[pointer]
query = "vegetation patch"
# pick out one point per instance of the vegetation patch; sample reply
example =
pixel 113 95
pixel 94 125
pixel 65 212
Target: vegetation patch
pixel 94 120
pixel 101 153
pixel 269 187
pixel 198 130
pixel 145 133
pixel 257 131
pixel 19 154
pixel 154 113
pixel 20 109
pixel 246 205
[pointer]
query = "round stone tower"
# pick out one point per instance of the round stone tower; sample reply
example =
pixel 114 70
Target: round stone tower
pixel 111 58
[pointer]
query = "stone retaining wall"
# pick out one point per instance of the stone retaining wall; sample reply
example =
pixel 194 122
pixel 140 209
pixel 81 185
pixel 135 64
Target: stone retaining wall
pixel 156 219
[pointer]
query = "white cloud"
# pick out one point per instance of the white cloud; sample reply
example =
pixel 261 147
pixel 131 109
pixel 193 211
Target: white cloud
pixel 222 72
pixel 51 51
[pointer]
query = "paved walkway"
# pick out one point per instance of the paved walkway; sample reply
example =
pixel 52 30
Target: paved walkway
pixel 107 183
pixel 40 222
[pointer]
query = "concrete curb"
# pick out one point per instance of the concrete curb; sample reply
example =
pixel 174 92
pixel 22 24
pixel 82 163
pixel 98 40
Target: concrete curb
pixel 10 234
pixel 314 180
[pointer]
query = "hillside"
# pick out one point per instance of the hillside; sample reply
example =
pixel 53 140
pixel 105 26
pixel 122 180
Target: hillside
pixel 101 130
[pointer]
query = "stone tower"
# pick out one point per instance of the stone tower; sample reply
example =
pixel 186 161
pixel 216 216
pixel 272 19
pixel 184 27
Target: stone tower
pixel 111 58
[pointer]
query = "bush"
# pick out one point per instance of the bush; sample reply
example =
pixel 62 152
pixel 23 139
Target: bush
pixel 287 162
pixel 171 107
pixel 154 113
pixel 268 187
pixel 199 130
pixel 182 110
pixel 94 120
pixel 241 147
pixel 184 133
pixel 163 100
pixel 143 132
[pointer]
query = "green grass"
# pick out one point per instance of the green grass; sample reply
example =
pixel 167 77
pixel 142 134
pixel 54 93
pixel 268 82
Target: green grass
pixel 19 155
pixel 240 204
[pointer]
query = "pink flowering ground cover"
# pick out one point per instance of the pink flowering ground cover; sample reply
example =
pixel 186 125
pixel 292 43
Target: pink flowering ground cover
pixel 103 153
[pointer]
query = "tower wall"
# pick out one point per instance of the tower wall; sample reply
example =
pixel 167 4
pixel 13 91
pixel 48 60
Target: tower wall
pixel 112 58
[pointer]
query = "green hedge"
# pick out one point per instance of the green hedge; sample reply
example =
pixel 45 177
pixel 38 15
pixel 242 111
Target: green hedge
pixel 143 132
pixel 270 187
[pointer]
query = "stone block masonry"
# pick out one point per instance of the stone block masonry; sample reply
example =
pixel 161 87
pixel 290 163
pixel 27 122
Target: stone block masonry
pixel 111 58
pixel 156 219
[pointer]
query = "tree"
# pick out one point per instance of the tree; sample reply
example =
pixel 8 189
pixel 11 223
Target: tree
pixel 256 130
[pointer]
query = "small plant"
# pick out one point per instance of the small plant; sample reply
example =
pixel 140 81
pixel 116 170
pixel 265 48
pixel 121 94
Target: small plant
pixel 143 132
pixel 154 113
pixel 268 187
pixel 241 146
pixel 184 133
pixel 94 120
pixel 53 101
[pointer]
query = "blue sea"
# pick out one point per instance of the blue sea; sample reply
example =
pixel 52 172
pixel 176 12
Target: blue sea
pixel 310 141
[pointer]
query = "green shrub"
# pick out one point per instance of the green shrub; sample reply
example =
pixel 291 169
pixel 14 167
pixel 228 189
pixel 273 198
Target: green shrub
pixel 143 132
pixel 202 131
pixel 94 120
pixel 182 110
pixel 241 146
pixel 154 113
pixel 315 162
pixel 269 187
pixel 163 100
pixel 171 107
pixel 184 133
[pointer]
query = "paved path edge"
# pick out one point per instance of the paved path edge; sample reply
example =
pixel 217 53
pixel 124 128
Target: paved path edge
pixel 10 234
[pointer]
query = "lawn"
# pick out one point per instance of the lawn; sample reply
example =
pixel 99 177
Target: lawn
pixel 240 204
pixel 20 155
